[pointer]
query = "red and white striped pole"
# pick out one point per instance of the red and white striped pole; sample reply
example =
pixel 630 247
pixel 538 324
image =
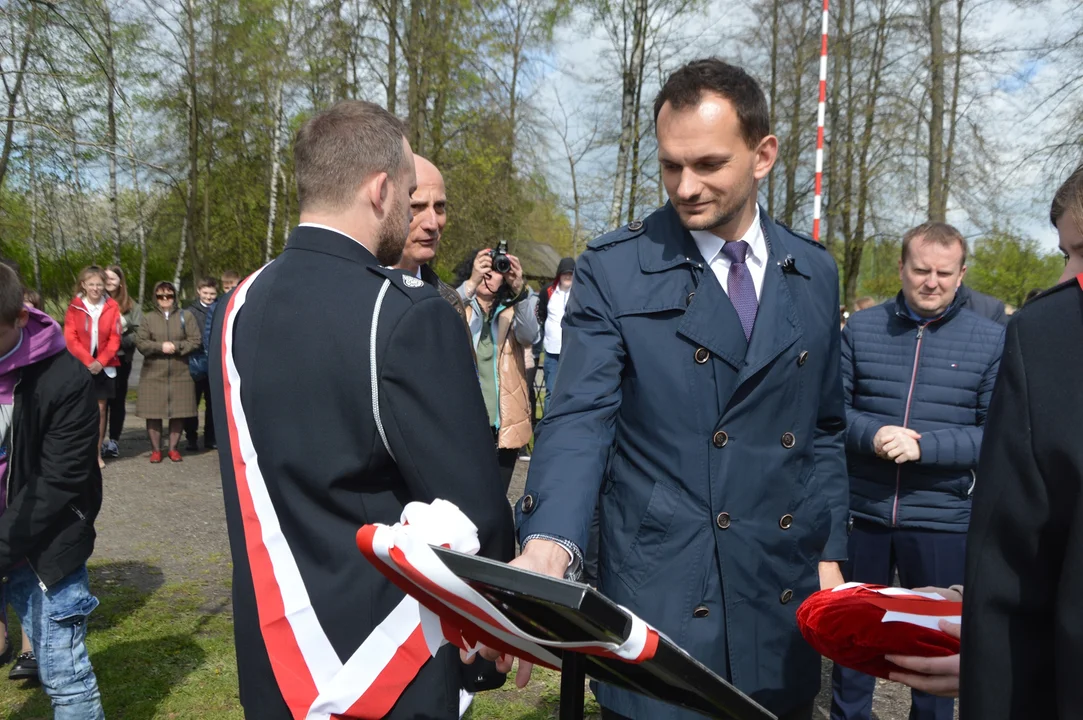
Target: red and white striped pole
pixel 821 111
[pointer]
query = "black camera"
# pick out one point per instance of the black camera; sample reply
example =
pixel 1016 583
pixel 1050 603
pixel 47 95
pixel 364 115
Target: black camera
pixel 499 255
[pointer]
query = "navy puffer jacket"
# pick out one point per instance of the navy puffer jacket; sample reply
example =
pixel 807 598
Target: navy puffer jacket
pixel 936 378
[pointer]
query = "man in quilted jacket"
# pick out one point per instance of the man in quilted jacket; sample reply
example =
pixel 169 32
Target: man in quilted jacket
pixel 918 373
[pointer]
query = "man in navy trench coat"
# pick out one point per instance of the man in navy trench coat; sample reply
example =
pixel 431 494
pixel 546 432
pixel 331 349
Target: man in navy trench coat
pixel 717 459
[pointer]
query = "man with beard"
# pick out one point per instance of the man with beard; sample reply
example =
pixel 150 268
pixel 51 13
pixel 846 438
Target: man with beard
pixel 699 402
pixel 339 381
pixel 428 206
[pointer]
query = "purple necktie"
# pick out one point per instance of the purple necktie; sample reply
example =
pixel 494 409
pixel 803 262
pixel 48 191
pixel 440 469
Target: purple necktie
pixel 741 290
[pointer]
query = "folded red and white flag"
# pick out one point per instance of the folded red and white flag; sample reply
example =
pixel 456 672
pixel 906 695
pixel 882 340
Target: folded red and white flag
pixel 856 625
pixel 452 611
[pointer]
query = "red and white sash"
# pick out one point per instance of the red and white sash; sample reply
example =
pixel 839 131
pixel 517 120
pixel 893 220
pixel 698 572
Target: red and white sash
pixel 454 612
pixel 314 682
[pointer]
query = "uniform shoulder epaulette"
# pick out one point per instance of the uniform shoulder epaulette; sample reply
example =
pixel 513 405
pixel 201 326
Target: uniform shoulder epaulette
pixel 413 287
pixel 631 230
pixel 803 236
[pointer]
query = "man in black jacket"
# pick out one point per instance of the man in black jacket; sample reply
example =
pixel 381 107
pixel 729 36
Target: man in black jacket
pixel 201 309
pixel 50 494
pixel 341 410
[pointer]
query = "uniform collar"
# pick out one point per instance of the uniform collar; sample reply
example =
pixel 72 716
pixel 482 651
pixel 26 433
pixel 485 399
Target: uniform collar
pixel 330 241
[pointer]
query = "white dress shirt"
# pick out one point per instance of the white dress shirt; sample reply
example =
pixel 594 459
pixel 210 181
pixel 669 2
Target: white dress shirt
pixel 710 247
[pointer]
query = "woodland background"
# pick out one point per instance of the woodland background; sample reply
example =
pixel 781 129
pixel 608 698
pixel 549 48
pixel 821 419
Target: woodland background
pixel 157 133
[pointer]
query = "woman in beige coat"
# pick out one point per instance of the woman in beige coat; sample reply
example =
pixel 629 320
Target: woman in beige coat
pixel 166 389
pixel 500 313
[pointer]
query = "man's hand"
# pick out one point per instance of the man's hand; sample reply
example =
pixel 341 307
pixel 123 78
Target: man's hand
pixel 169 348
pixel 889 433
pixel 937 676
pixel 830 575
pixel 95 367
pixel 546 558
pixel 902 449
pixel 483 265
pixel 514 277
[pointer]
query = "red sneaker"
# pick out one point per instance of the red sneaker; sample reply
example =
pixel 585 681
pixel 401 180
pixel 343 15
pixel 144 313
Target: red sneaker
pixel 175 456
pixel 156 456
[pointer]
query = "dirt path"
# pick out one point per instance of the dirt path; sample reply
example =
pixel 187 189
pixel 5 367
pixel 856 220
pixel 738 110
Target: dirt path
pixel 165 524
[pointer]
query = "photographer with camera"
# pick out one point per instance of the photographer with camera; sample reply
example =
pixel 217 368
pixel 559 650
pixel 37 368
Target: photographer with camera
pixel 500 312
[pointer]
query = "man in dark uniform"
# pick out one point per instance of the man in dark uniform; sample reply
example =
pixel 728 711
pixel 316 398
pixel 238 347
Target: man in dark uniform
pixel 341 409
pixel 700 395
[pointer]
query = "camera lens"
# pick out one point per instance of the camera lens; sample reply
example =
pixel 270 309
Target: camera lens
pixel 501 264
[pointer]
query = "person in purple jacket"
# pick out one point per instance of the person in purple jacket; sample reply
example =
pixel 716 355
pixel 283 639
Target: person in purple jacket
pixel 50 494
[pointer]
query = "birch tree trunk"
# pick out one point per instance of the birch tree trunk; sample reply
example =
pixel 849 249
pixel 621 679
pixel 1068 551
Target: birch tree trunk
pixel 193 144
pixel 139 228
pixel 111 120
pixel 180 257
pixel 794 141
pixel 34 257
pixel 938 202
pixel 13 94
pixel 773 99
pixel 276 145
pixel 632 72
pixel 392 20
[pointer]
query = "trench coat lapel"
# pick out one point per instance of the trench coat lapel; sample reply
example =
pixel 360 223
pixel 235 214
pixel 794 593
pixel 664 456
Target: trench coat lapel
pixel 777 326
pixel 711 321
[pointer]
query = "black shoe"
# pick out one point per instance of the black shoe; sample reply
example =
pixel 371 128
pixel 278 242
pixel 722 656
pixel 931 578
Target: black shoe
pixel 7 655
pixel 193 446
pixel 209 444
pixel 25 668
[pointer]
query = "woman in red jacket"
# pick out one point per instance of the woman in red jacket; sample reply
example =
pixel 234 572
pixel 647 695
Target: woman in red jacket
pixel 92 331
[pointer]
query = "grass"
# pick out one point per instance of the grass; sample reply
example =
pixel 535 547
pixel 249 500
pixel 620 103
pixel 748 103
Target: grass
pixel 540 700
pixel 163 651
pixel 158 653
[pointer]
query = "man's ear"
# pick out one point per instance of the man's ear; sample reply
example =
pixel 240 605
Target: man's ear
pixel 23 318
pixel 962 274
pixel 379 190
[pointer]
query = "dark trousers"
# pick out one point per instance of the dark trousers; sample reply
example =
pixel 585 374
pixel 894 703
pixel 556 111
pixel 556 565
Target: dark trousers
pixel 531 377
pixel 191 425
pixel 505 458
pixel 803 712
pixel 116 407
pixel 923 558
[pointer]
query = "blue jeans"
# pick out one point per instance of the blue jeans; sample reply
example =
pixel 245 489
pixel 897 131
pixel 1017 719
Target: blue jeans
pixel 550 369
pixel 55 621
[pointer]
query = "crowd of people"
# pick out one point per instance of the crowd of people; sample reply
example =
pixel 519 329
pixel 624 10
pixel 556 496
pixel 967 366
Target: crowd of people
pixel 717 445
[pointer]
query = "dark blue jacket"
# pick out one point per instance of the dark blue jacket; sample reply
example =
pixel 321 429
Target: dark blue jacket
pixel 936 378
pixel 720 461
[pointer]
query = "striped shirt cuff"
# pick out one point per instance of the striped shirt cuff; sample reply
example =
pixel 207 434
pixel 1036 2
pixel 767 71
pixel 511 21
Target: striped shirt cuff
pixel 575 566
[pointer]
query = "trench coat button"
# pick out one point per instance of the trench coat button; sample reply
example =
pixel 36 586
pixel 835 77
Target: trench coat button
pixel 786 522
pixel 702 355
pixel 788 440
pixel 850 525
pixel 802 358
pixel 720 439
pixel 723 520
pixel 786 596
pixel 688 300
pixel 635 225
pixel 528 503
pixel 701 611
